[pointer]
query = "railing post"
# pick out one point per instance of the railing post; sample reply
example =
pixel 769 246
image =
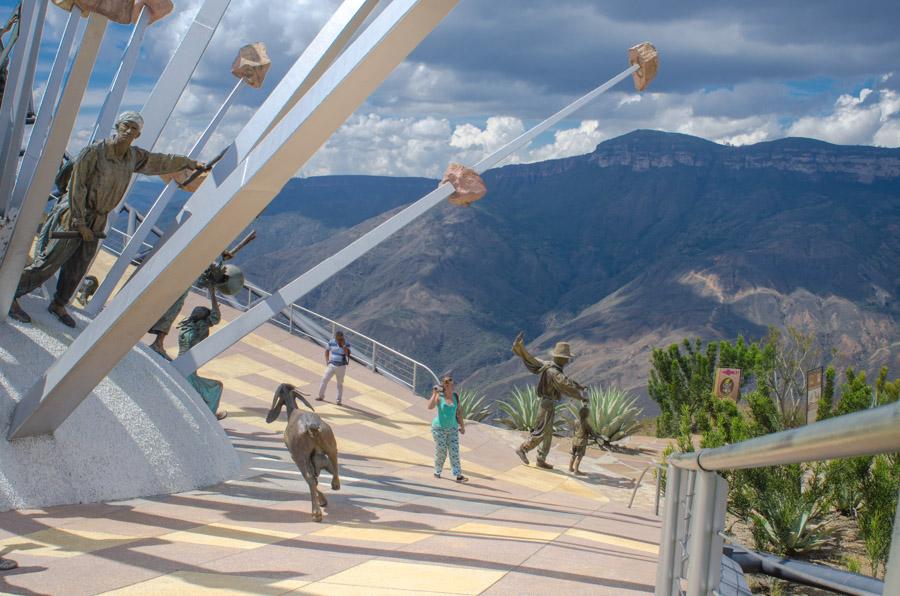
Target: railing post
pixel 415 367
pixel 704 543
pixel 668 543
pixel 291 319
pixel 374 347
pixel 892 572
pixel 333 328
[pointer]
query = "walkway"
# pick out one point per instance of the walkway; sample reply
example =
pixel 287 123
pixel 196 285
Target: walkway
pixel 391 529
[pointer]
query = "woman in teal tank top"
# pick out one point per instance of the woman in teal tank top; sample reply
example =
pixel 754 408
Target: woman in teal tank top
pixel 446 428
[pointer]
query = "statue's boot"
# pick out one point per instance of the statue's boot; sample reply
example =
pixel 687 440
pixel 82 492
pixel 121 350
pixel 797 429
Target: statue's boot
pixel 543 464
pixel 61 313
pixel 521 453
pixel 160 350
pixel 17 313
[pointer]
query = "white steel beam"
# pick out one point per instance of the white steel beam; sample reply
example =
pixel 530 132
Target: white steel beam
pixel 278 301
pixel 113 99
pixel 229 203
pixel 308 68
pixel 17 96
pixel 98 300
pixel 16 255
pixel 46 112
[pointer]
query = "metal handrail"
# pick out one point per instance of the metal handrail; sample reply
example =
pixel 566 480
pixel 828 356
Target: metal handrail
pixel 659 468
pixel 379 357
pixel 868 432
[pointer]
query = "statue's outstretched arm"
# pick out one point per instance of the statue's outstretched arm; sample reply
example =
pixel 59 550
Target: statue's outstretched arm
pixel 518 348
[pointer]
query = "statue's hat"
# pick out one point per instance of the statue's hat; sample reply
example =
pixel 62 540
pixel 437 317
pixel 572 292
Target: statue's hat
pixel 562 350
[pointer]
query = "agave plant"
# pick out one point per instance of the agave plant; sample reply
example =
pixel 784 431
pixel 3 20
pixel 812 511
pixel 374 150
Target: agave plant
pixel 472 406
pixel 613 413
pixel 520 411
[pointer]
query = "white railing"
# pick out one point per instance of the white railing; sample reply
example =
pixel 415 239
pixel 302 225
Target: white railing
pixel 301 321
pixel 694 510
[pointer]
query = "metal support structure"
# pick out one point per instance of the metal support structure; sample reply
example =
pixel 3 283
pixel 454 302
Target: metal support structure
pixel 306 71
pixel 13 261
pixel 17 97
pixel 299 287
pixel 229 203
pixel 704 543
pixel 38 139
pixel 892 575
pixel 113 100
pixel 668 544
pixel 138 236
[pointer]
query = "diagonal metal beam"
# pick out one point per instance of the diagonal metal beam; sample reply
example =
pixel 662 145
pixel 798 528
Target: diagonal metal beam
pixel 308 68
pixel 278 301
pixel 13 261
pixel 17 96
pixel 113 99
pixel 227 205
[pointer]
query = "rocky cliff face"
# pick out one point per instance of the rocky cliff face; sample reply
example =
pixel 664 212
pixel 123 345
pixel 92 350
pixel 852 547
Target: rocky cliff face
pixel 650 238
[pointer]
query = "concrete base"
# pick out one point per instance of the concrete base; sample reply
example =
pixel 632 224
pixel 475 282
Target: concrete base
pixel 143 431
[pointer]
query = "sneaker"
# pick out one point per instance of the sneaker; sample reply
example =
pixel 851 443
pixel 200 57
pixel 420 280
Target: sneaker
pixel 461 478
pixel 221 415
pixel 338 402
pixel 7 564
pixel 320 398
pixel 437 475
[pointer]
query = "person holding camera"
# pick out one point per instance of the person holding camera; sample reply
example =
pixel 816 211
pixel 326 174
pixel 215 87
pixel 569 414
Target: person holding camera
pixel 446 427
pixel 337 358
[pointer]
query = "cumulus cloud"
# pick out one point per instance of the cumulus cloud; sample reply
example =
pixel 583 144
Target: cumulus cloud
pixel 866 118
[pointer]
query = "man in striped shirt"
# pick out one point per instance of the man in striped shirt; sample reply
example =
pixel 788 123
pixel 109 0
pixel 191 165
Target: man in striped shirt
pixel 337 357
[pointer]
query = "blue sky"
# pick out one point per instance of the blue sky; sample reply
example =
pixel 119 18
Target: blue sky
pixel 732 72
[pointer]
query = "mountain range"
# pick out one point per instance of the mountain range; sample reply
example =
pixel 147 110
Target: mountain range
pixel 651 238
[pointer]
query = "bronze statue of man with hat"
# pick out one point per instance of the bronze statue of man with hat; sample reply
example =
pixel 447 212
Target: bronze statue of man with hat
pixel 553 384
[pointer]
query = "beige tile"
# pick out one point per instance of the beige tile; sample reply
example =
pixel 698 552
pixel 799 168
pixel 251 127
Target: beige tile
pixel 189 582
pixel 64 542
pixel 323 589
pixel 497 531
pixel 371 533
pixel 402 425
pixel 415 576
pixel 613 540
pixel 228 536
pixel 380 402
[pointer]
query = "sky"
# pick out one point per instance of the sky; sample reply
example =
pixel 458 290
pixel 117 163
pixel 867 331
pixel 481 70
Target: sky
pixel 733 72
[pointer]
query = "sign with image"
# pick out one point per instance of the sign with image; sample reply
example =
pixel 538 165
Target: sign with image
pixel 813 393
pixel 728 383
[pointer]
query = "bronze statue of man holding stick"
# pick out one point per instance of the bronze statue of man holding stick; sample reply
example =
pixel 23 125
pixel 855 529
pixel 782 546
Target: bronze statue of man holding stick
pixel 553 384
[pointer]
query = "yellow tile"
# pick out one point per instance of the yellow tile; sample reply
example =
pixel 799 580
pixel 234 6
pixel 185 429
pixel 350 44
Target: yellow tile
pixel 282 377
pixel 413 576
pixel 402 425
pixel 495 531
pixel 190 582
pixel 234 365
pixel 542 480
pixel 228 536
pixel 323 589
pixel 613 540
pixel 372 534
pixel 576 487
pixel 286 354
pixel 380 402
pixel 63 543
pixel 249 389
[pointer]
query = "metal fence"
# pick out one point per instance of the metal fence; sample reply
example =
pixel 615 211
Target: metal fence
pixel 298 320
pixel 694 510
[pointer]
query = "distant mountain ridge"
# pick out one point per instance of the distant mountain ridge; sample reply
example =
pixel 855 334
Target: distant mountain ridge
pixel 650 238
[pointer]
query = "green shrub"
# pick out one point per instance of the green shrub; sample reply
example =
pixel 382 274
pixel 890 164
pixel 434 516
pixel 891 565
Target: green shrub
pixel 520 411
pixel 612 413
pixel 876 513
pixel 786 514
pixel 472 406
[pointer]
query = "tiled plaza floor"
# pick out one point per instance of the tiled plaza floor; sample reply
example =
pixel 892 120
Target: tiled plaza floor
pixel 391 529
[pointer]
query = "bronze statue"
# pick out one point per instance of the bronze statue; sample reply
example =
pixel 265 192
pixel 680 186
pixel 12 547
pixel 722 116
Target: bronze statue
pixel 100 175
pixel 553 384
pixel 88 288
pixel 310 441
pixel 191 331
pixel 584 432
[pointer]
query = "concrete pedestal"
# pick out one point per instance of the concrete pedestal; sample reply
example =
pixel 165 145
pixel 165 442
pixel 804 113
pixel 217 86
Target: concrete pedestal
pixel 143 431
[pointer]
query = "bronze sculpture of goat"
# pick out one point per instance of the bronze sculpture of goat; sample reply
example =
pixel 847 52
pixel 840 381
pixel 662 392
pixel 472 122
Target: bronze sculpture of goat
pixel 310 441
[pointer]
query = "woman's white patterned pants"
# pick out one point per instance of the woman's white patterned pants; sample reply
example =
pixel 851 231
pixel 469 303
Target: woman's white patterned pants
pixel 446 439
